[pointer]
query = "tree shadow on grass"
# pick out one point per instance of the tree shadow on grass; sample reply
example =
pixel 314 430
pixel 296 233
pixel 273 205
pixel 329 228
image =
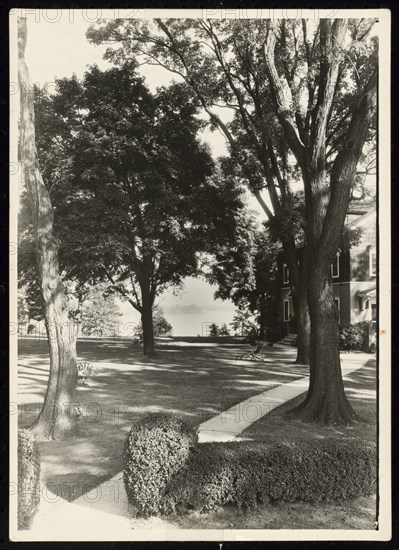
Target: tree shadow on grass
pixel 191 381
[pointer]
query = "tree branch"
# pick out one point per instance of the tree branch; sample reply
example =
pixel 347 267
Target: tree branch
pixel 283 99
pixel 345 164
pixel 121 291
pixel 331 38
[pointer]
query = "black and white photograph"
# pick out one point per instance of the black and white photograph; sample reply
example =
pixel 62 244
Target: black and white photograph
pixel 199 274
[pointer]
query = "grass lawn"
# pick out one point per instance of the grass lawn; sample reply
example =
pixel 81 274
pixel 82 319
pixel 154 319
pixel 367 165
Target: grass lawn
pixel 197 381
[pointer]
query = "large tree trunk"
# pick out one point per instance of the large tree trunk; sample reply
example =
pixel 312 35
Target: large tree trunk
pixel 327 196
pixel 56 419
pixel 147 321
pixel 326 401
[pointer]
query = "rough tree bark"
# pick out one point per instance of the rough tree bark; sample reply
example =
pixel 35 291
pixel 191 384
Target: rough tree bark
pixel 327 198
pixel 326 401
pixel 56 419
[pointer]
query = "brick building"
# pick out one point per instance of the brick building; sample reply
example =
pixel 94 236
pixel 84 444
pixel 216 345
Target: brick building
pixel 353 273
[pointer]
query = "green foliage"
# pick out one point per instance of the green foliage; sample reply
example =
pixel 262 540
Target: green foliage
pixel 354 337
pixel 222 62
pixel 136 195
pixel 290 220
pixel 29 291
pixel 213 329
pixel 246 474
pixel 28 479
pixel 351 236
pixel 99 312
pixel 161 326
pixel 245 272
pixel 155 449
pixel 23 309
pixel 223 330
pixel 244 323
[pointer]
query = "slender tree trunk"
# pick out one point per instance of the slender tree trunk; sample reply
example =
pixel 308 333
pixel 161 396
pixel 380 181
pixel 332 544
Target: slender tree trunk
pixel 147 322
pixel 302 321
pixel 56 419
pixel 326 401
pixel 299 274
pixel 262 320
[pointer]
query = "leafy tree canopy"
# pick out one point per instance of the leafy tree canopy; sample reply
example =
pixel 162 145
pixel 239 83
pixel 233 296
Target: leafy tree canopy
pixel 136 196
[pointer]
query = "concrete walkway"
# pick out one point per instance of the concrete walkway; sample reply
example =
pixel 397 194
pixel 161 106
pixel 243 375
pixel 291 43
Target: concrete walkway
pixel 105 510
pixel 231 423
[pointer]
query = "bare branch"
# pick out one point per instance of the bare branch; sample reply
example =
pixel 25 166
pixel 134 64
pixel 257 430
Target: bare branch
pixel 283 99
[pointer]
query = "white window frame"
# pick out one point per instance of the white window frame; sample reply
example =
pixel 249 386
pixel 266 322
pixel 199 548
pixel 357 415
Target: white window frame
pixel 372 252
pixel 288 310
pixel 371 311
pixel 336 299
pixel 286 280
pixel 332 267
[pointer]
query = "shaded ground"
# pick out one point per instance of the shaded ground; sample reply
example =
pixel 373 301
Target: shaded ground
pixel 360 387
pixel 356 514
pixel 195 380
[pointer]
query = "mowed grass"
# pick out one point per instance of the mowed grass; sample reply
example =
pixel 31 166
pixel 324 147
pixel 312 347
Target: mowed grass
pixel 197 382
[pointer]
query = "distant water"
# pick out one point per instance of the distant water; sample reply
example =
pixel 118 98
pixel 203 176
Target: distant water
pixel 193 324
pixel 190 312
pixel 184 324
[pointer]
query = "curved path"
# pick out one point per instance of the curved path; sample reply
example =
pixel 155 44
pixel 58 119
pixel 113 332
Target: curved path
pixel 231 423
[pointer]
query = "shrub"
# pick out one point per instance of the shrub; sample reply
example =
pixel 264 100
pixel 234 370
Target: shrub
pixel 28 479
pixel 155 449
pixel 354 337
pixel 248 473
pixel 86 371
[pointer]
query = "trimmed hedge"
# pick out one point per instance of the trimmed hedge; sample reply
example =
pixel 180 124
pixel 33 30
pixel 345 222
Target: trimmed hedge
pixel 250 473
pixel 28 479
pixel 354 337
pixel 155 449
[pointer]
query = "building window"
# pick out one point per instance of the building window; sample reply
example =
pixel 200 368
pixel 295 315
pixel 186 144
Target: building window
pixel 373 312
pixel 335 267
pixel 336 303
pixel 373 263
pixel 286 274
pixel 286 310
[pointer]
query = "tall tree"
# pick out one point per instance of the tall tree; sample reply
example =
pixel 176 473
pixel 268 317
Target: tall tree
pixel 328 187
pixel 56 419
pixel 140 197
pixel 301 92
pixel 221 64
